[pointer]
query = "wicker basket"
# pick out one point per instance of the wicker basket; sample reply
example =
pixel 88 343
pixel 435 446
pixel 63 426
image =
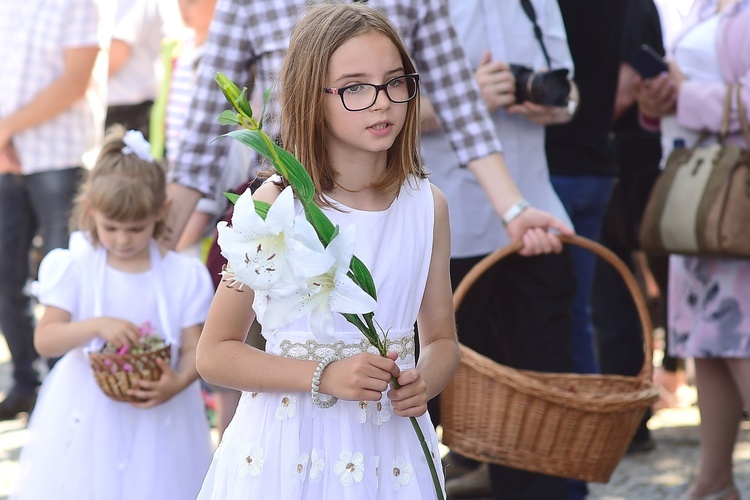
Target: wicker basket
pixel 118 373
pixel 561 424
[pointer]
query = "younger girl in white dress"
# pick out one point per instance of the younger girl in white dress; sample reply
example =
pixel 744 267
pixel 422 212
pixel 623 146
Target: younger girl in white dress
pixel 350 112
pixel 112 280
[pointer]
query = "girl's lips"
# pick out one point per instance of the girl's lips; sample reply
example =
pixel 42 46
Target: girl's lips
pixel 381 129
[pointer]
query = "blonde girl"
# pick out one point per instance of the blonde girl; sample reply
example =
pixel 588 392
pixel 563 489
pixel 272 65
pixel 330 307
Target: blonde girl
pixel 112 282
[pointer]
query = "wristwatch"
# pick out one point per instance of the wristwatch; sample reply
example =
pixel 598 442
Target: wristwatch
pixel 514 211
pixel 572 107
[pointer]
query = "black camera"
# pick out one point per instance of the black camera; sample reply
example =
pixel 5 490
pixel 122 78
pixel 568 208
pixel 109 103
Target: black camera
pixel 549 88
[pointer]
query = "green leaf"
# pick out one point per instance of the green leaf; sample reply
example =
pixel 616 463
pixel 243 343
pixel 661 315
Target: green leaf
pixel 262 208
pixel 232 197
pixel 229 117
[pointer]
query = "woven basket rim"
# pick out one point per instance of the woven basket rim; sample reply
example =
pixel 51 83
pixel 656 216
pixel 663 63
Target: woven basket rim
pixel 601 251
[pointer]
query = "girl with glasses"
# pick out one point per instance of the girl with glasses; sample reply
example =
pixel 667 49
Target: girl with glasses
pixel 350 113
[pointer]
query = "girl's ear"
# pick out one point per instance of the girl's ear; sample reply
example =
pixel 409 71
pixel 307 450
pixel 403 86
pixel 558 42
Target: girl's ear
pixel 89 209
pixel 162 215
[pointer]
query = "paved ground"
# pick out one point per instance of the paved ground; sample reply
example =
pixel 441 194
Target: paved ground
pixel 658 475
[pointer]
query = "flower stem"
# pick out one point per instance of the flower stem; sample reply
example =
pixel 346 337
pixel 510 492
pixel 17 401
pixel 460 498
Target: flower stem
pixel 427 455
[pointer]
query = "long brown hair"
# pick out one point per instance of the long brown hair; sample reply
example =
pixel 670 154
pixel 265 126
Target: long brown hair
pixel 303 76
pixel 122 187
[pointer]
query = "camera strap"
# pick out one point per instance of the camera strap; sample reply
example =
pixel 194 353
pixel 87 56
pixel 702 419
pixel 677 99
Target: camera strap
pixel 528 8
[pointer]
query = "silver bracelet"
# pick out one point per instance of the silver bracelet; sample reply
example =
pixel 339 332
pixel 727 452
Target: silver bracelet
pixel 315 386
pixel 515 210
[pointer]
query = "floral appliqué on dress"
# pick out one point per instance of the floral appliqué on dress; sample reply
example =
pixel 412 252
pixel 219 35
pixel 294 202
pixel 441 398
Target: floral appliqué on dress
pixel 251 461
pixel 287 407
pixel 351 467
pixel 402 472
pixel 317 464
pixel 299 467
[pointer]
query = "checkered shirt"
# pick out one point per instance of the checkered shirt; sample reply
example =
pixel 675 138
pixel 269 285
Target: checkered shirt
pixel 251 36
pixel 34 35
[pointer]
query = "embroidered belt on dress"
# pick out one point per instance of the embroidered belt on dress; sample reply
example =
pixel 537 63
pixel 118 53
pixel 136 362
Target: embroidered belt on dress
pixel 312 350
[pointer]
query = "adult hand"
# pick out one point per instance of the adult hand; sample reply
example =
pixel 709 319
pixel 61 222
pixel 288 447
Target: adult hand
pixel 9 163
pixel 362 377
pixel 532 226
pixel 151 393
pixel 656 96
pixel 540 114
pixel 496 82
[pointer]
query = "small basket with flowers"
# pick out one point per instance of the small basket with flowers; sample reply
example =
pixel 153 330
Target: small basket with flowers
pixel 117 369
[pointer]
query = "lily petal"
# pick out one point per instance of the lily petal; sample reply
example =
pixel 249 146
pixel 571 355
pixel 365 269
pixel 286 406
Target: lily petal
pixel 283 310
pixel 347 297
pixel 321 323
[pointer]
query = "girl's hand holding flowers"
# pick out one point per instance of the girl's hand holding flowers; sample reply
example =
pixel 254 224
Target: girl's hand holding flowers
pixel 410 398
pixel 362 377
pixel 117 332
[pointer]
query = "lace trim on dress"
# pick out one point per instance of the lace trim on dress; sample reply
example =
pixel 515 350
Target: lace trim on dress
pixel 312 350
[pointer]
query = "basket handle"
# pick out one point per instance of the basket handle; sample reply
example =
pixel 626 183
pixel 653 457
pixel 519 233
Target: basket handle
pixel 640 303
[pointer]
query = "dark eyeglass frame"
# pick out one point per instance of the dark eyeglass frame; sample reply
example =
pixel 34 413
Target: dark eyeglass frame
pixel 341 90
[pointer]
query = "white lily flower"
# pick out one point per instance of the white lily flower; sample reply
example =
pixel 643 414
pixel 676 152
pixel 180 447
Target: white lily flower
pixel 330 292
pixel 263 254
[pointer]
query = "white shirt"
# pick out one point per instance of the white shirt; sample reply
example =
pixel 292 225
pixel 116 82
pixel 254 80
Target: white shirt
pixel 504 29
pixel 34 35
pixel 695 55
pixel 139 24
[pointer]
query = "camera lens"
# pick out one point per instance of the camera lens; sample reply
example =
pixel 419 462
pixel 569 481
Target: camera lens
pixel 549 88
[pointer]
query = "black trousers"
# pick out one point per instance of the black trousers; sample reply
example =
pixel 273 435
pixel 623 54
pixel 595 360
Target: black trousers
pixel 519 313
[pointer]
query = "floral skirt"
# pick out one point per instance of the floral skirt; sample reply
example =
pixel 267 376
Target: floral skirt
pixel 709 307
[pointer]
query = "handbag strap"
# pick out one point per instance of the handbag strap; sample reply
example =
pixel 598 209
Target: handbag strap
pixel 743 117
pixel 528 8
pixel 724 129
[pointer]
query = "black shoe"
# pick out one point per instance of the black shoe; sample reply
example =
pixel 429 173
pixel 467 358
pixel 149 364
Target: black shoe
pixel 641 446
pixel 16 403
pixel 455 466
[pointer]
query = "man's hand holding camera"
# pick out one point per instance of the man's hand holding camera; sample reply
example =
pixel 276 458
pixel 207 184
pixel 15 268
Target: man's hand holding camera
pixel 499 85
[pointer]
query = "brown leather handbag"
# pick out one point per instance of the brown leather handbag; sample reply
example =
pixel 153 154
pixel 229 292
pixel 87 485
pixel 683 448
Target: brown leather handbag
pixel 700 204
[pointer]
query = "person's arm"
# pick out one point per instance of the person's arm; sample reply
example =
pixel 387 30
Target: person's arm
pixel 194 230
pixel 200 154
pixel 57 97
pixel 438 345
pixel 55 334
pixel 448 79
pixel 224 359
pixel 119 53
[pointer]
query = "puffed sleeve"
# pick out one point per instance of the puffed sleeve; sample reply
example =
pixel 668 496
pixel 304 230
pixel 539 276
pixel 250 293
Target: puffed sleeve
pixel 199 291
pixel 59 281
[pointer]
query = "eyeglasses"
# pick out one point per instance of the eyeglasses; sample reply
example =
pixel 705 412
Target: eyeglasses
pixel 361 96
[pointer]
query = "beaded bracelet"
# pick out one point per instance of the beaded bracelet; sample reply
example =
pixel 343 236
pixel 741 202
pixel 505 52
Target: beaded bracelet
pixel 315 386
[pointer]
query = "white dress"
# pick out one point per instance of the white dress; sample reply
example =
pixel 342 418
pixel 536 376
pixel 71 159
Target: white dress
pixel 282 446
pixel 83 445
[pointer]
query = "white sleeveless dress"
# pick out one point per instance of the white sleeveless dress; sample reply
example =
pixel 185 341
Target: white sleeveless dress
pixel 282 446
